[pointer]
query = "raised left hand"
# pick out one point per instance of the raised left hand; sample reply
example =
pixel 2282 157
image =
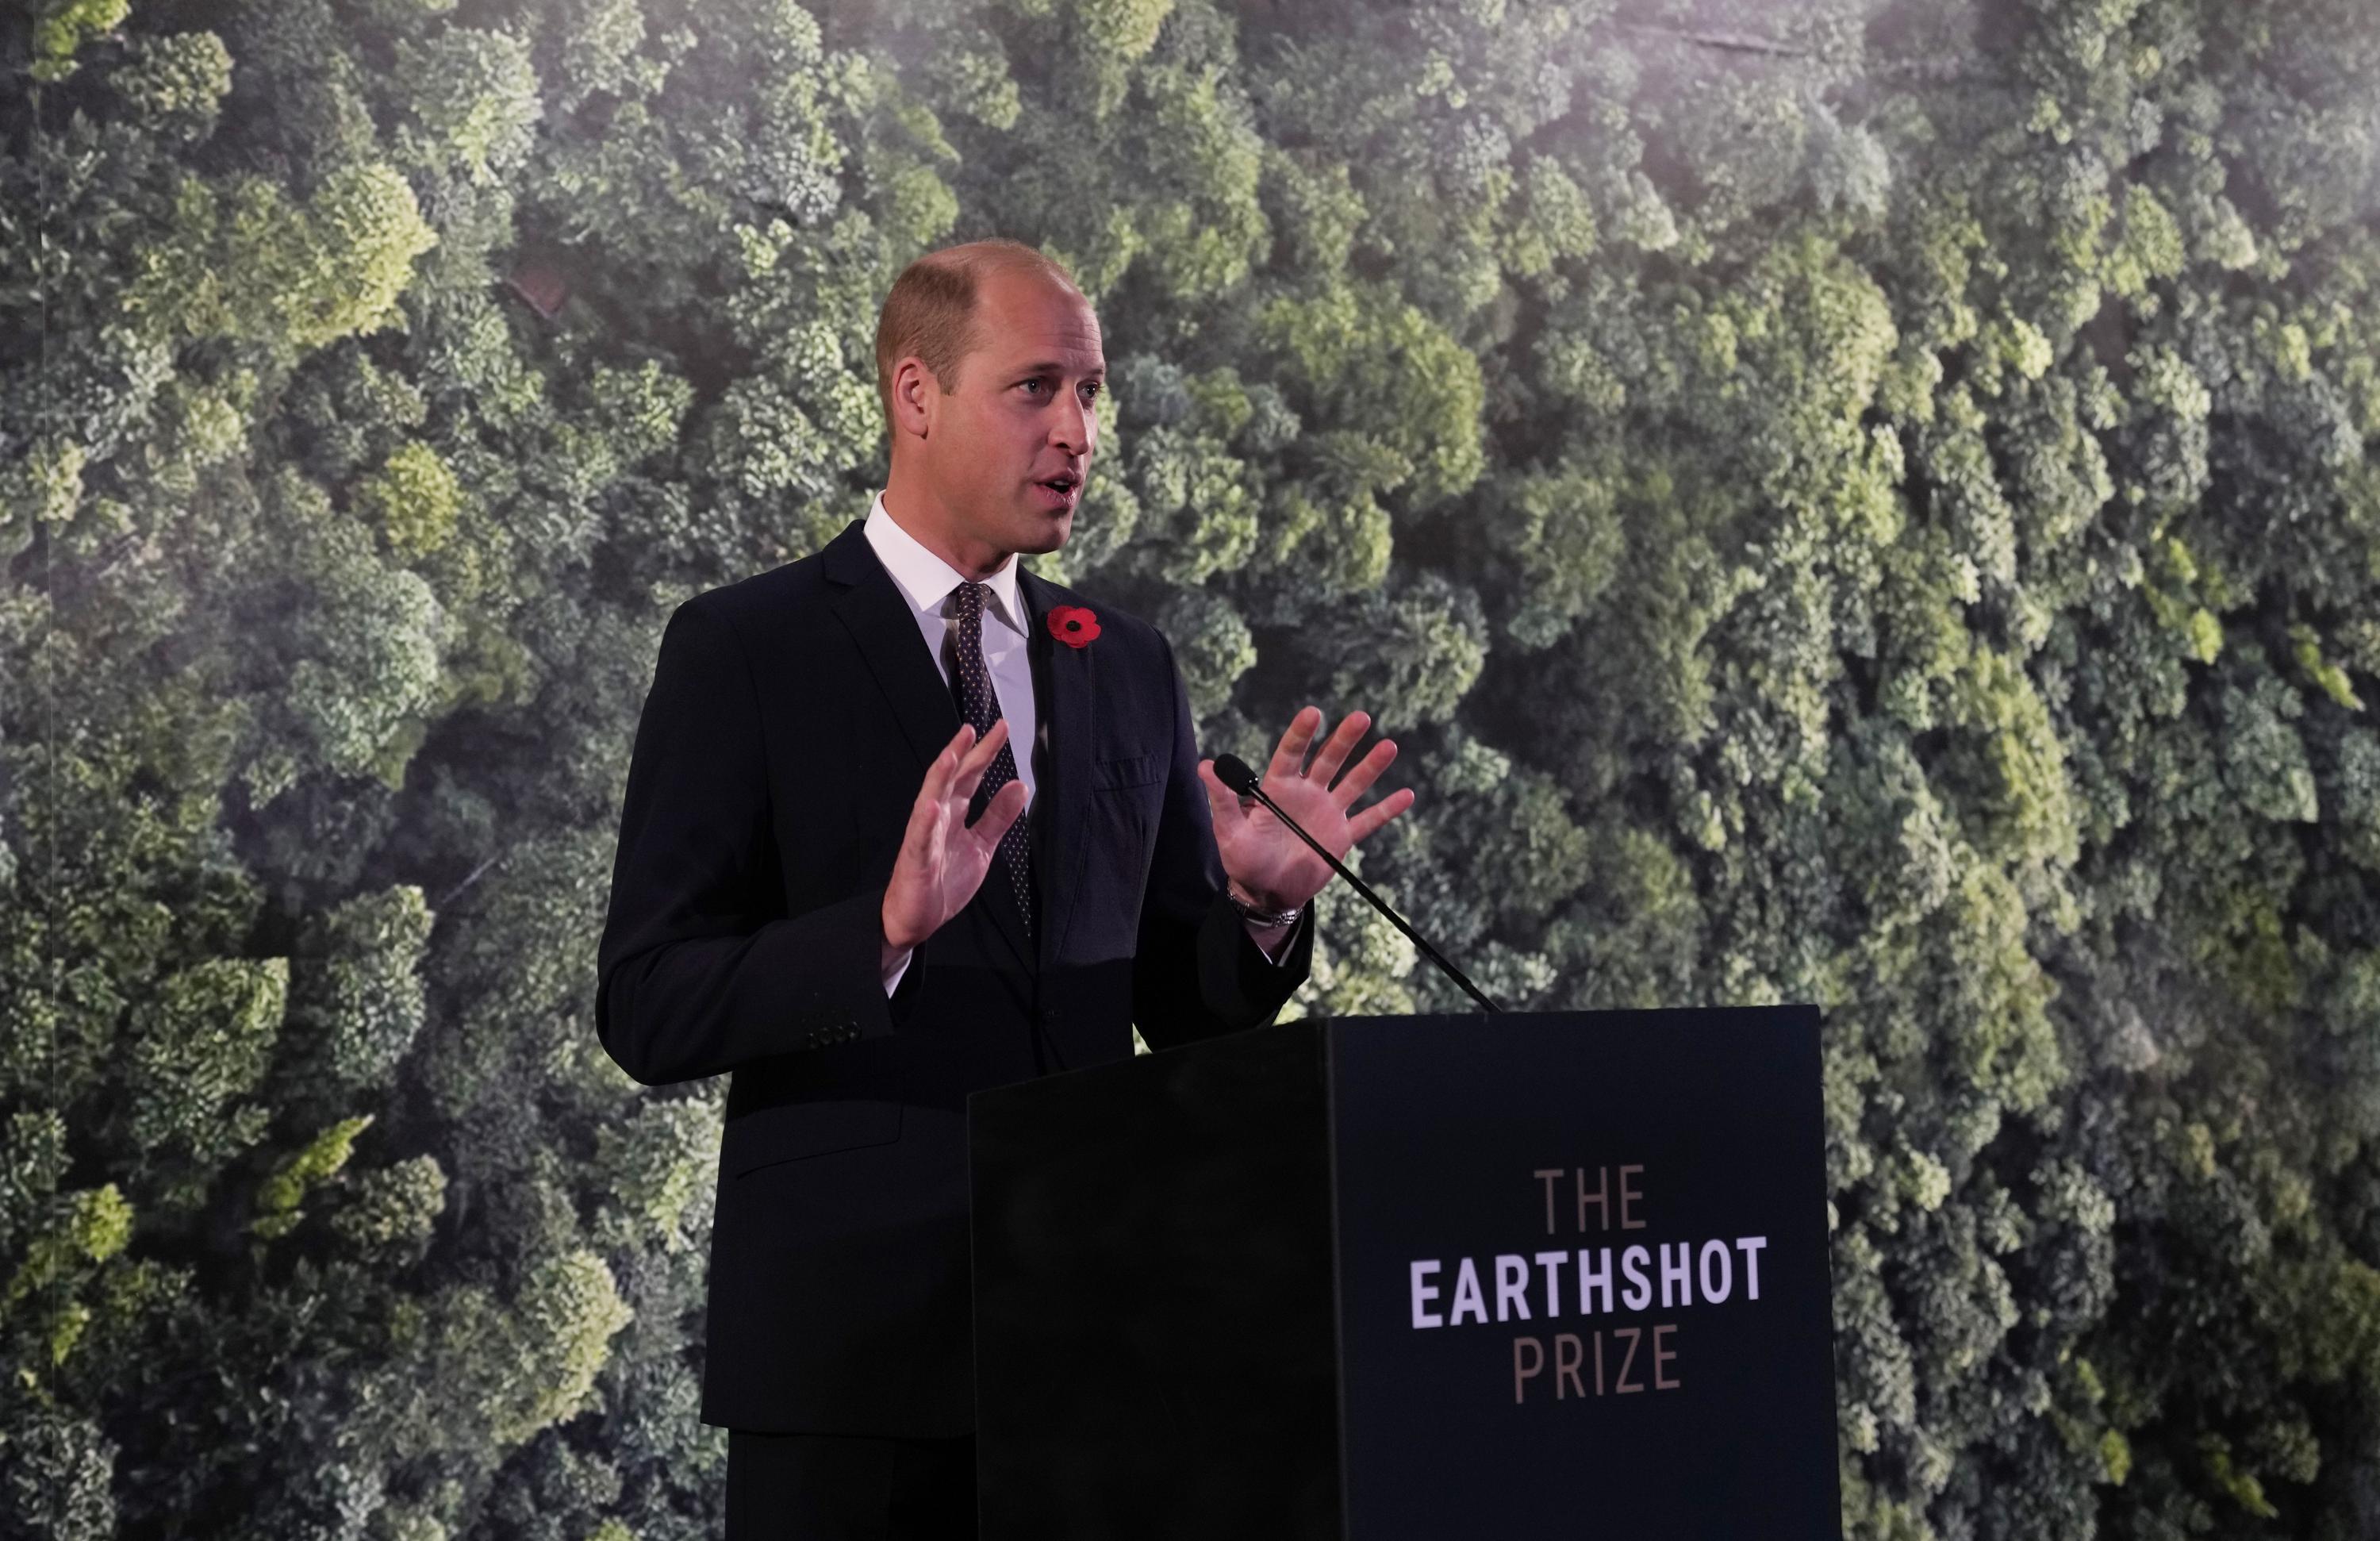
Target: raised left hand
pixel 1268 865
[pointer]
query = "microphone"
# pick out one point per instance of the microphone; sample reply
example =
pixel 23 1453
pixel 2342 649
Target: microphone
pixel 1234 772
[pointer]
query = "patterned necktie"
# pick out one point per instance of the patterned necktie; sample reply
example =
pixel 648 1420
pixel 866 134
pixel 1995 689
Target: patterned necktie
pixel 971 683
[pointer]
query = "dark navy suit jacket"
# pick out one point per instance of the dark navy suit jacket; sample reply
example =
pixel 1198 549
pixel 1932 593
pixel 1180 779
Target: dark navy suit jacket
pixel 790 722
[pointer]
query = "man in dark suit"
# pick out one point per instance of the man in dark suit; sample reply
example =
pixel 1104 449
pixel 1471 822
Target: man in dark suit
pixel 903 822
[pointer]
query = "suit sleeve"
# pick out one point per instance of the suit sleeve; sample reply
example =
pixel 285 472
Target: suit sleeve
pixel 700 969
pixel 1196 973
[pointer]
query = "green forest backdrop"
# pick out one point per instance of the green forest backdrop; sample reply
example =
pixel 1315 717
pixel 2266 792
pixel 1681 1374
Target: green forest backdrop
pixel 1870 501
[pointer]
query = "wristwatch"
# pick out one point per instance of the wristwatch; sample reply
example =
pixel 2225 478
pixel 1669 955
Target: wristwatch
pixel 1262 918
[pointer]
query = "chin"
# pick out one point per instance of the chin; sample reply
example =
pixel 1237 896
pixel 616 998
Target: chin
pixel 1046 535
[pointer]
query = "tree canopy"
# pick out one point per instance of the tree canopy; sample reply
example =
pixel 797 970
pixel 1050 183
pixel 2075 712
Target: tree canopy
pixel 1871 502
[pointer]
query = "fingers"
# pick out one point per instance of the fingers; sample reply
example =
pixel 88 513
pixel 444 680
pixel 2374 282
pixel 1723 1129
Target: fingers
pixel 1364 773
pixel 970 769
pixel 937 784
pixel 1368 822
pixel 913 871
pixel 1290 753
pixel 1289 756
pixel 925 828
pixel 1335 748
pixel 986 747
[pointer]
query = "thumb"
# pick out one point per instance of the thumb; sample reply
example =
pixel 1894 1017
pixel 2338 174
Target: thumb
pixel 1006 806
pixel 1221 801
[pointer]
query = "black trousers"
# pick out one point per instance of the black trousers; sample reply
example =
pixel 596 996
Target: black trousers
pixel 849 1487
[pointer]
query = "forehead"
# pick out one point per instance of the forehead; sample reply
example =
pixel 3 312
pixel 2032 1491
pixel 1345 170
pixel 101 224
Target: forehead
pixel 1028 320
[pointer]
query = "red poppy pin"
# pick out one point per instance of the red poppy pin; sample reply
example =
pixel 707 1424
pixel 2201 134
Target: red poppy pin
pixel 1074 625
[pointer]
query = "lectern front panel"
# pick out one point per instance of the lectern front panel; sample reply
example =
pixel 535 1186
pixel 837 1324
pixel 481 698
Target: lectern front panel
pixel 1582 1275
pixel 1154 1347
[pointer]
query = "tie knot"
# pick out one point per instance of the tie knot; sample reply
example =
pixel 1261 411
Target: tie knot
pixel 969 598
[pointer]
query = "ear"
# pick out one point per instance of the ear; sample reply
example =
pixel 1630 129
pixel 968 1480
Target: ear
pixel 916 393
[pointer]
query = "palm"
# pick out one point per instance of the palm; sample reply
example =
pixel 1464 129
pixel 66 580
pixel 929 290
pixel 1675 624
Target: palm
pixel 942 861
pixel 1259 850
pixel 1260 855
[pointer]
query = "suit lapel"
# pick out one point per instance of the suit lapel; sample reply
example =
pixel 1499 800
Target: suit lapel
pixel 1067 680
pixel 885 631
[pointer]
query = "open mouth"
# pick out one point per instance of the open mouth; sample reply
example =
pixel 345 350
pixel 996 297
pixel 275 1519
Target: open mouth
pixel 1063 489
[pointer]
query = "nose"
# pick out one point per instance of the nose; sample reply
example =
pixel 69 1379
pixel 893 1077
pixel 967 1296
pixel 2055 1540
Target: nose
pixel 1072 430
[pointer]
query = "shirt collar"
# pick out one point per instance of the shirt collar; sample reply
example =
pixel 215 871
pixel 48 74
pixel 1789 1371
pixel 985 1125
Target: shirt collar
pixel 926 579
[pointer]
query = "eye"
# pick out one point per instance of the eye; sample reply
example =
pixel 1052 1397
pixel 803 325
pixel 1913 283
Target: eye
pixel 1092 387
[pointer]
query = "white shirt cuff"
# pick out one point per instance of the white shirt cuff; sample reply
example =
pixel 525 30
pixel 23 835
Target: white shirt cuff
pixel 893 975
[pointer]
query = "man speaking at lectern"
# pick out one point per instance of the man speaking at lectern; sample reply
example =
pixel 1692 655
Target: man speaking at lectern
pixel 903 822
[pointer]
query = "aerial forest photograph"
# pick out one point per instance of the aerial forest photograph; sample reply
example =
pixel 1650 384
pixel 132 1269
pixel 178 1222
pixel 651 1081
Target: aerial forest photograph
pixel 1869 506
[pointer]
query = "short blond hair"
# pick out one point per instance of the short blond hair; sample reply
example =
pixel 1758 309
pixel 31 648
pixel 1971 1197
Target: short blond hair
pixel 930 311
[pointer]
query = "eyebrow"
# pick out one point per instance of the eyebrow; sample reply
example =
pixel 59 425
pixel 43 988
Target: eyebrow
pixel 1053 367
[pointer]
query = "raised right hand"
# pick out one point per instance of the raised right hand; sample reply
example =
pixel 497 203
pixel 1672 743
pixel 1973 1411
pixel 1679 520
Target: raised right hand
pixel 942 859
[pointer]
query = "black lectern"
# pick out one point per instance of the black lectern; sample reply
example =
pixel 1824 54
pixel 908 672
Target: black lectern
pixel 1522 1276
